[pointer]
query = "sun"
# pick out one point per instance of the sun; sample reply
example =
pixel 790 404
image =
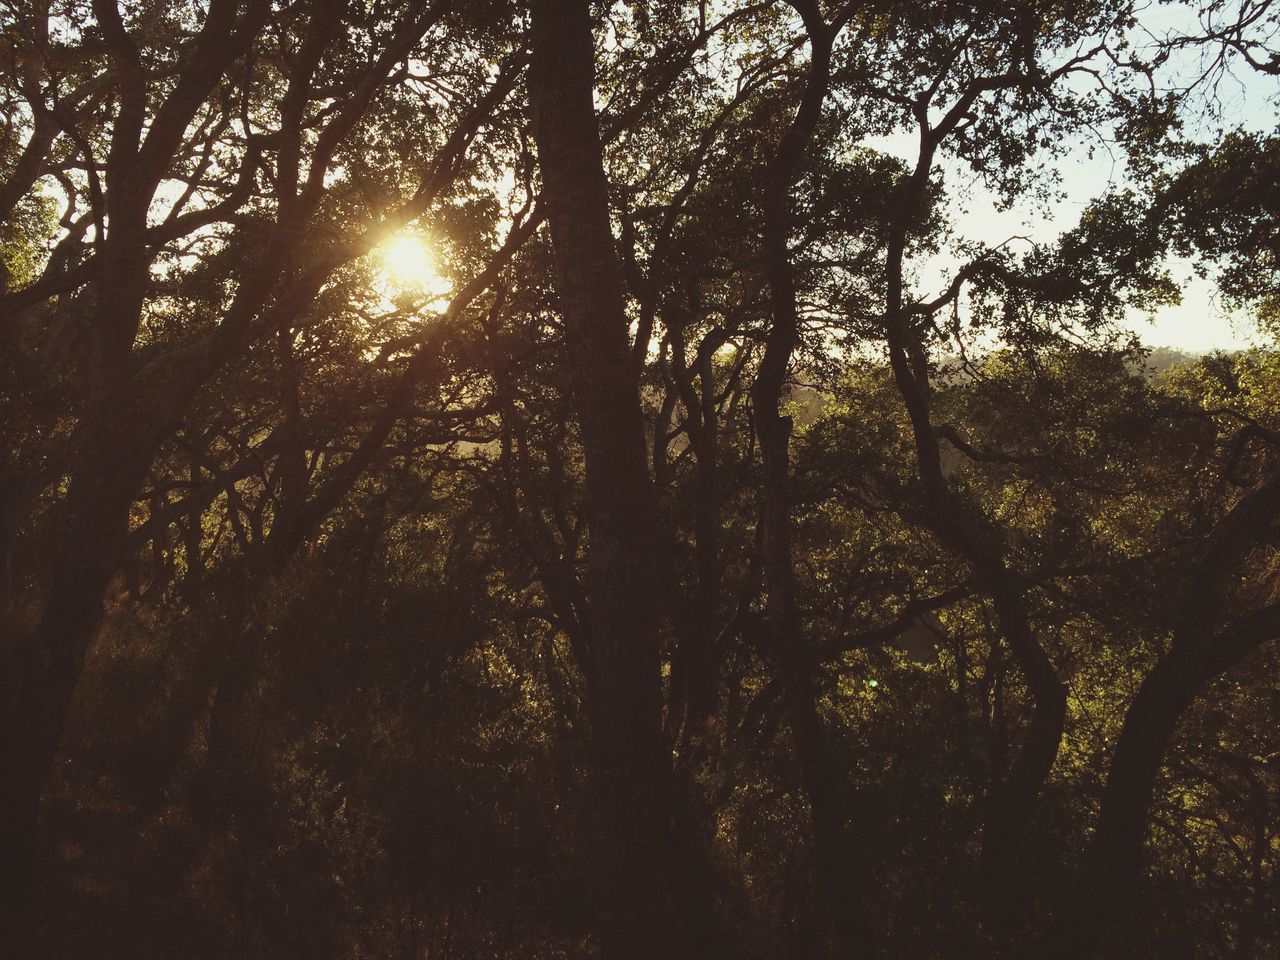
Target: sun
pixel 409 267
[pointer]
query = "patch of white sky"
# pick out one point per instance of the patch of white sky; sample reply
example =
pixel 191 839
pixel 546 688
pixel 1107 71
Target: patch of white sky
pixel 1091 167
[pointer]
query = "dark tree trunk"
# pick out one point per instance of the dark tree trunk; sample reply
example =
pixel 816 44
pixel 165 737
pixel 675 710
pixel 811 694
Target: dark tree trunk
pixel 694 673
pixel 116 436
pixel 109 465
pixel 46 666
pixel 1201 650
pixel 702 660
pixel 1112 876
pixel 1011 803
pixel 631 760
pixel 840 873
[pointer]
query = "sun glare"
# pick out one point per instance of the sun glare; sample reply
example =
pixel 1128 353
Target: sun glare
pixel 409 266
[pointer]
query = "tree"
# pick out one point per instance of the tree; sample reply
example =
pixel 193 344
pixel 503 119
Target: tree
pixel 565 482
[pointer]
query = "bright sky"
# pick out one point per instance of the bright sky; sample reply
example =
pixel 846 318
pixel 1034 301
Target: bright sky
pixel 1200 323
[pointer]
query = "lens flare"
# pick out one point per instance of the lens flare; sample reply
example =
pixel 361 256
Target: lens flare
pixel 409 266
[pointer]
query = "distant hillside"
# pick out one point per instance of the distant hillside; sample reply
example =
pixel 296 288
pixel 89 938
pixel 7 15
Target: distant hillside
pixel 1162 358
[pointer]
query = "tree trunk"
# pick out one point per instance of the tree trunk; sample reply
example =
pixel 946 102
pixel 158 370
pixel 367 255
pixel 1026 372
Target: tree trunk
pixel 47 665
pixel 1200 651
pixel 1011 803
pixel 631 761
pixel 1114 863
pixel 840 875
pixel 112 456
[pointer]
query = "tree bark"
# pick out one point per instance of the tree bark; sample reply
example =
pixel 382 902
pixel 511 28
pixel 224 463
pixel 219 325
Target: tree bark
pixel 108 467
pixel 1011 802
pixel 840 874
pixel 631 761
pixel 47 665
pixel 1200 651
pixel 1114 863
